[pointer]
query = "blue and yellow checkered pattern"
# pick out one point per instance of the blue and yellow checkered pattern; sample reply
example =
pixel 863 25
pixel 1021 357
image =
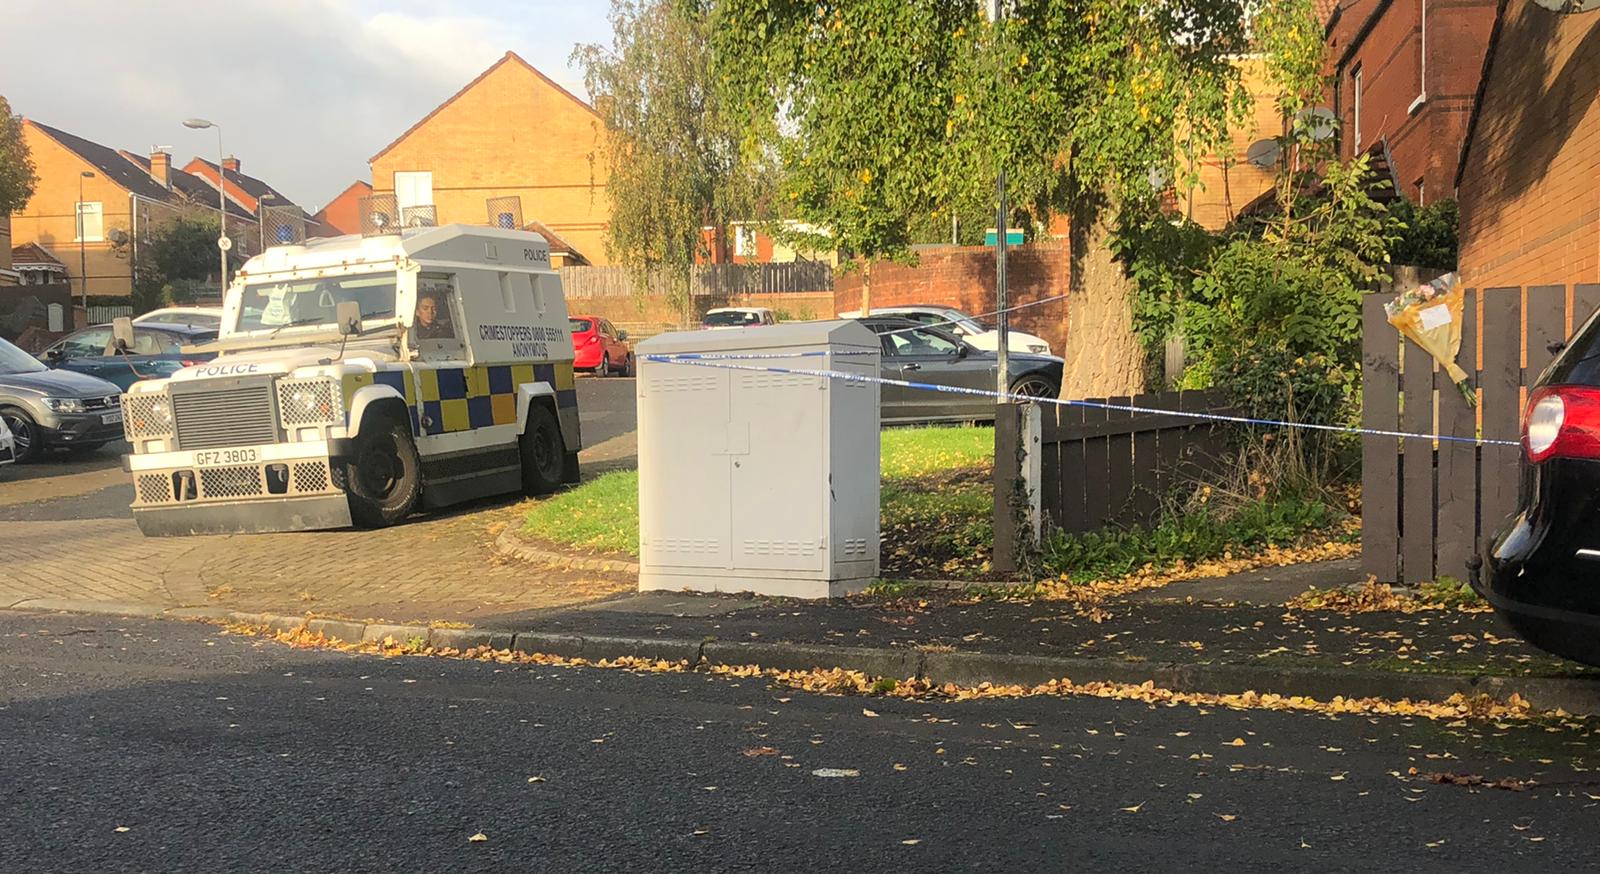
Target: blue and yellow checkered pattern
pixel 446 400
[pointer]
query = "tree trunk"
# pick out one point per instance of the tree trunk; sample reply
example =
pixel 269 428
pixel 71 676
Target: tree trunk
pixel 866 287
pixel 1104 356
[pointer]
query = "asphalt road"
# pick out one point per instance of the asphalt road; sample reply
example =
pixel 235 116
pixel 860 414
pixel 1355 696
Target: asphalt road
pixel 145 746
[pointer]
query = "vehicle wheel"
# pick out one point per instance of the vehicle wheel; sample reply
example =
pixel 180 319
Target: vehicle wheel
pixel 25 431
pixel 544 455
pixel 1557 638
pixel 384 474
pixel 605 366
pixel 628 367
pixel 1036 387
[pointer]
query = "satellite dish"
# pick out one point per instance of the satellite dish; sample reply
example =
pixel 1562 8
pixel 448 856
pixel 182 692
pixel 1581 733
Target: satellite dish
pixel 1319 123
pixel 1159 178
pixel 1264 154
pixel 1569 7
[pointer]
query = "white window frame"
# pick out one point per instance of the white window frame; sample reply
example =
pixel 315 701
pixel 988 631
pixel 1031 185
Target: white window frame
pixel 83 211
pixel 1355 76
pixel 744 242
pixel 407 186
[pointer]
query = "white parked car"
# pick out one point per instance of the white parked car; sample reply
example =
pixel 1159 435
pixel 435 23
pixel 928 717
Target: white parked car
pixel 962 325
pixel 738 317
pixel 8 444
pixel 199 317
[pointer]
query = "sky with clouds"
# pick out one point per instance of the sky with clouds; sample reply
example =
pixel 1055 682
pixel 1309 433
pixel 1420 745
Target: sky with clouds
pixel 305 90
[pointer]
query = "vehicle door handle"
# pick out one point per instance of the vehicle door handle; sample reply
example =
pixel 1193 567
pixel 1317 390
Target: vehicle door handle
pixel 909 367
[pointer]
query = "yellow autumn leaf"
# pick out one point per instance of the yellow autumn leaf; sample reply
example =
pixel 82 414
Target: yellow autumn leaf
pixel 1236 742
pixel 478 838
pixel 1227 817
pixel 1133 809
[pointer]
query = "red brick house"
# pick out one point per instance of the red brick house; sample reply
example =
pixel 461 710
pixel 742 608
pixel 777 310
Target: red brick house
pixel 342 215
pixel 1405 73
pixel 1530 167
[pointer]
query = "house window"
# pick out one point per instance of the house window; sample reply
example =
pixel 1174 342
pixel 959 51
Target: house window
pixel 91 223
pixel 1356 78
pixel 744 242
pixel 413 189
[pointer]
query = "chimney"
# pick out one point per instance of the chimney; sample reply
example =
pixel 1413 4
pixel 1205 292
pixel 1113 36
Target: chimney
pixel 161 168
pixel 230 164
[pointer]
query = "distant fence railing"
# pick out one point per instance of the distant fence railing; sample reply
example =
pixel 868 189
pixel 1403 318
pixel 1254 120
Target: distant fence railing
pixel 99 314
pixel 707 280
pixel 1427 506
pixel 1103 468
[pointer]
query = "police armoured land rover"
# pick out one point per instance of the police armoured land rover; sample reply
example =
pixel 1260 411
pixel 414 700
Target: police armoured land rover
pixel 358 378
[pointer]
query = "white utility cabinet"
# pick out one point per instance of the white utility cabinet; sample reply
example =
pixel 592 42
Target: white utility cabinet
pixel 758 481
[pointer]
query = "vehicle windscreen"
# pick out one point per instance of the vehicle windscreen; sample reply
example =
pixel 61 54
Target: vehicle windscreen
pixel 300 302
pixel 731 320
pixel 1579 363
pixel 578 326
pixel 14 360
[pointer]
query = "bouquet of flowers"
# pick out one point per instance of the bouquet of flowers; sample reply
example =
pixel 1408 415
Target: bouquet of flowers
pixel 1430 315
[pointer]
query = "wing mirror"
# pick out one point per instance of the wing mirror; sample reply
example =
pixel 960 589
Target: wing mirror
pixel 348 315
pixel 122 335
pixel 622 335
pixel 964 351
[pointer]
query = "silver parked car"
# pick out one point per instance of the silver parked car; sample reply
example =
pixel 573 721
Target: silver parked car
pixel 44 408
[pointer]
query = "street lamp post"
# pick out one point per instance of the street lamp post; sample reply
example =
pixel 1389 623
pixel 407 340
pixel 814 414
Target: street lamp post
pixel 223 243
pixel 83 272
pixel 997 13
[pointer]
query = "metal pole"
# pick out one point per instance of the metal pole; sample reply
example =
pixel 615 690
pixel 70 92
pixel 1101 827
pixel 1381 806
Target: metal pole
pixel 222 215
pixel 83 270
pixel 1002 328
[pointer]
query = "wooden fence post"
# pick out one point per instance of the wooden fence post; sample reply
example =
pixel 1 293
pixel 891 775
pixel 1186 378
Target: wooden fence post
pixel 1007 476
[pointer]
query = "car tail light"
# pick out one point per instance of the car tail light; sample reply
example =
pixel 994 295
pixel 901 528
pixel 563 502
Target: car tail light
pixel 1563 421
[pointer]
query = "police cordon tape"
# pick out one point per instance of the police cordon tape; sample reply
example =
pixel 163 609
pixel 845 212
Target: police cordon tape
pixel 700 360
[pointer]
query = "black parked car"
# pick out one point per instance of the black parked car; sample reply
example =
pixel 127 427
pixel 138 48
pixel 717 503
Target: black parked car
pixel 1541 571
pixel 932 355
pixel 46 408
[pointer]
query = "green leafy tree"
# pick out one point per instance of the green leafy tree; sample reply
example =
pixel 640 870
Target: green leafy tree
pixel 180 252
pixel 1429 236
pixel 885 113
pixel 672 160
pixel 17 176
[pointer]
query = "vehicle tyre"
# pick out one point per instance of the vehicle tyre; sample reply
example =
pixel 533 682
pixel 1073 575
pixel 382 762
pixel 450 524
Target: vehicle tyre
pixel 1558 638
pixel 1034 386
pixel 605 366
pixel 544 454
pixel 628 367
pixel 25 432
pixel 383 473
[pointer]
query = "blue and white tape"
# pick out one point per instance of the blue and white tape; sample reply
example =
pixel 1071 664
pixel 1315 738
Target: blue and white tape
pixel 1098 405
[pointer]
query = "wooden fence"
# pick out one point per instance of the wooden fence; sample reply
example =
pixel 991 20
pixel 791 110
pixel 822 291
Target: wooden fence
pixel 1428 506
pixel 707 280
pixel 1107 468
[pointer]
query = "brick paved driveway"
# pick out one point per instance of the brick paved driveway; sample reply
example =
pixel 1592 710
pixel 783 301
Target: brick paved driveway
pixel 65 533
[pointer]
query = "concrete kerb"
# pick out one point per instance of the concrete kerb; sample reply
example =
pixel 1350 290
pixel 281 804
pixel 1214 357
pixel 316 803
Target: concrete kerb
pixel 961 668
pixel 510 544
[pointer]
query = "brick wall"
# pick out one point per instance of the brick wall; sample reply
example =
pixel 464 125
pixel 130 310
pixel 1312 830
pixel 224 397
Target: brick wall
pixel 963 277
pixel 50 218
pixel 1229 182
pixel 1530 191
pixel 512 132
pixel 5 250
pixel 1424 143
pixel 647 316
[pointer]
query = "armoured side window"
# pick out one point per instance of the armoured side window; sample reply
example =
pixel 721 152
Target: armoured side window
pixel 438 311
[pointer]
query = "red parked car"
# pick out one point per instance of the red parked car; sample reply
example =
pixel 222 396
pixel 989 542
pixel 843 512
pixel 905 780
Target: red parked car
pixel 600 347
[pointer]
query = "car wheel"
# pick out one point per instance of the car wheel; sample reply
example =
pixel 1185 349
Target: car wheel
pixel 1555 637
pixel 628 366
pixel 384 474
pixel 1035 387
pixel 544 454
pixel 605 366
pixel 25 433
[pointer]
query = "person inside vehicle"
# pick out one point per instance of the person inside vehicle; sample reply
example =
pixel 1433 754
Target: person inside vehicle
pixel 431 321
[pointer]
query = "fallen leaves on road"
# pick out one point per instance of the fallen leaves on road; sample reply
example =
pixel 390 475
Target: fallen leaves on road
pixel 478 838
pixel 836 772
pixel 754 752
pixel 839 681
pixel 1509 783
pixel 1374 597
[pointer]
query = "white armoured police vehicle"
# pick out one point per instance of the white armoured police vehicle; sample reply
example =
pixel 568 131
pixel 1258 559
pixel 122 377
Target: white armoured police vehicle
pixel 361 376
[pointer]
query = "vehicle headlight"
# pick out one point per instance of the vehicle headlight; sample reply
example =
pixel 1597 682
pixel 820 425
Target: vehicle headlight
pixel 64 405
pixel 309 402
pixel 147 415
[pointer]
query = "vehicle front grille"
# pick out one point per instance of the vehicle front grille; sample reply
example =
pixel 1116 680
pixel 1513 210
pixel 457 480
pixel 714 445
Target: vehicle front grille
pixel 110 402
pixel 239 415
